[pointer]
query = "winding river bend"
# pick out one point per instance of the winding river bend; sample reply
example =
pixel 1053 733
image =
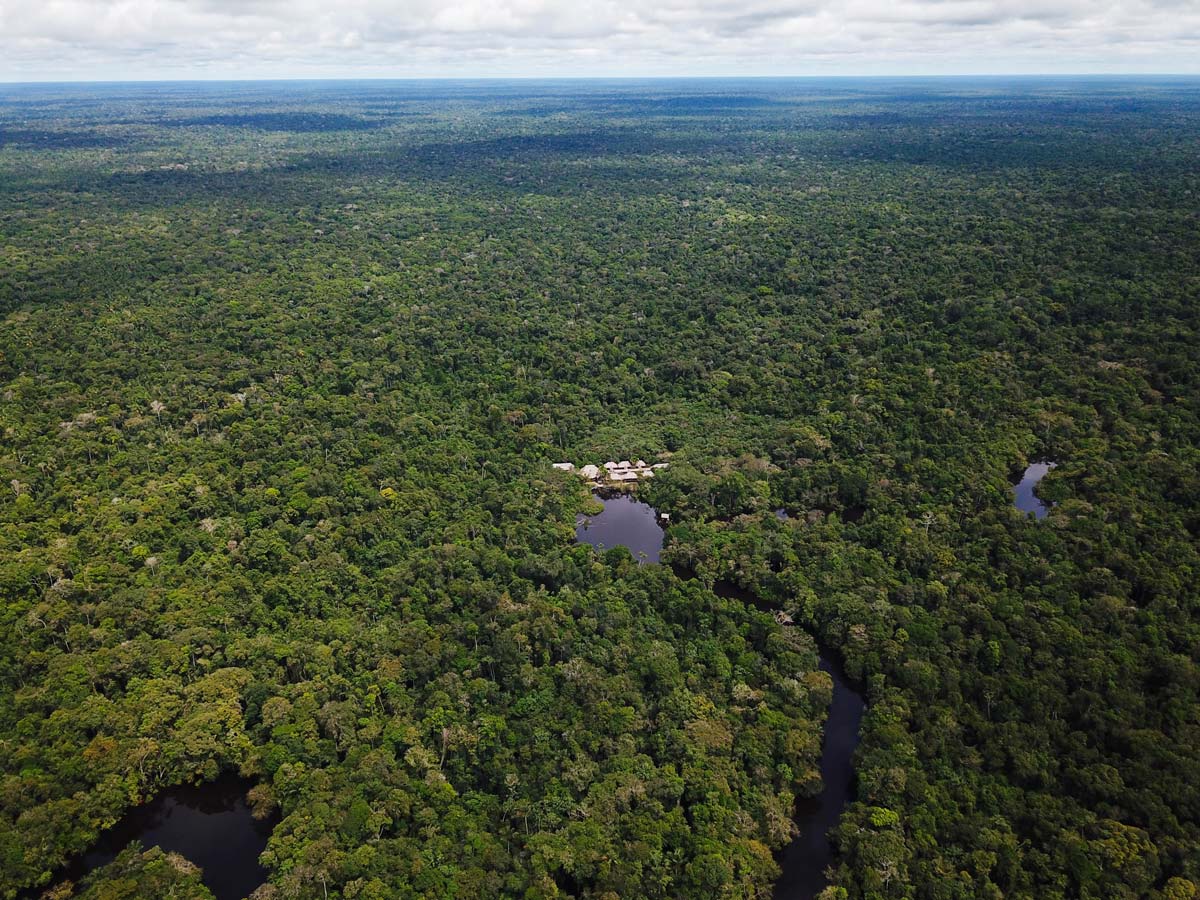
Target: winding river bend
pixel 208 824
pixel 1023 491
pixel 635 525
pixel 805 859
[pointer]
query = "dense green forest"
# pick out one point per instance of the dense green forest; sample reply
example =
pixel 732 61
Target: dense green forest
pixel 284 367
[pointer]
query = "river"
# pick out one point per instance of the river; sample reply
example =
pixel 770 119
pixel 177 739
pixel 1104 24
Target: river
pixel 635 525
pixel 209 824
pixel 1023 491
pixel 805 859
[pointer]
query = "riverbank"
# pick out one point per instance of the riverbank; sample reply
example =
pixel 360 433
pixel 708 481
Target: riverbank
pixel 803 862
pixel 628 522
pixel 210 825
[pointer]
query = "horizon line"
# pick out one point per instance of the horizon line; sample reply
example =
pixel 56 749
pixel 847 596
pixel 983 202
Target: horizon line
pixel 941 76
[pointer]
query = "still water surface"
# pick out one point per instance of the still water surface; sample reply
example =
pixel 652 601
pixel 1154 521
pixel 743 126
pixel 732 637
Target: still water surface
pixel 635 525
pixel 209 824
pixel 625 522
pixel 1023 491
pixel 805 859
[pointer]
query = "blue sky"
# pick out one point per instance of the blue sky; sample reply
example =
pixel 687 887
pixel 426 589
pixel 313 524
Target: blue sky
pixel 149 39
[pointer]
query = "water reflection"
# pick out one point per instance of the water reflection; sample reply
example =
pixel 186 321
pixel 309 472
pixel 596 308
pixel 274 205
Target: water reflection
pixel 806 858
pixel 1023 491
pixel 803 862
pixel 624 522
pixel 209 824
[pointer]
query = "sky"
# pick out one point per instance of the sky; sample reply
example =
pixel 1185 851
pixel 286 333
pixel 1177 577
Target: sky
pixel 107 40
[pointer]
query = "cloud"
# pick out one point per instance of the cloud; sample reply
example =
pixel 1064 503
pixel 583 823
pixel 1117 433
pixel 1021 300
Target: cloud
pixel 113 39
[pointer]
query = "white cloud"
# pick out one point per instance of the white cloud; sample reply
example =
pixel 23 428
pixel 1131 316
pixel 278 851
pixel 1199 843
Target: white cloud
pixel 113 39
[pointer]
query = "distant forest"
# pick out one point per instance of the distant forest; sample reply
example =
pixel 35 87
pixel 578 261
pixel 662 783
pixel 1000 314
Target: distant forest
pixel 284 368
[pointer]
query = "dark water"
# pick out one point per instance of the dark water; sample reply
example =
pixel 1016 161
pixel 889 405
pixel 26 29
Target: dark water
pixel 805 859
pixel 625 522
pixel 731 591
pixel 1026 500
pixel 209 824
pixel 853 513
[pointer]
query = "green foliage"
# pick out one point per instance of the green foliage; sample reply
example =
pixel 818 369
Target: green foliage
pixel 283 372
pixel 135 875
